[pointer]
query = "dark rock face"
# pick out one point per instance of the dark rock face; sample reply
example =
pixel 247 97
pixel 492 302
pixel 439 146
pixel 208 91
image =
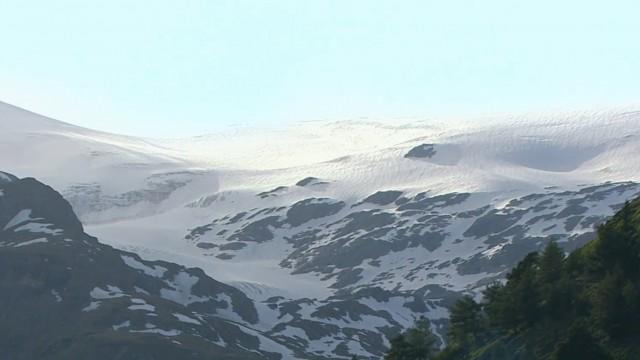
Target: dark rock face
pixel 206 245
pixel 310 181
pixel 365 221
pixel 257 231
pixel 64 295
pixel 421 151
pixel 40 201
pixel 494 222
pixel 383 197
pixel 572 209
pixel 309 209
pixel 232 246
pixel 424 202
pixel 272 192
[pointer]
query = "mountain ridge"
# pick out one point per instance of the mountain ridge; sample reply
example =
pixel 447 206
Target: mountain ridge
pixel 339 238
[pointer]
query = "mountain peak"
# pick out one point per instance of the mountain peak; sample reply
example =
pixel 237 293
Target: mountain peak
pixel 7 178
pixel 27 200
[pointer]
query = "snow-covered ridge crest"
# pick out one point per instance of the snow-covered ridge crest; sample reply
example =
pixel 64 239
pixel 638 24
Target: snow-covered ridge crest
pixel 488 154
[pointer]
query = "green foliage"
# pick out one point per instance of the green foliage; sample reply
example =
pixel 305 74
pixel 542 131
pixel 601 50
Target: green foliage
pixel 552 307
pixel 615 304
pixel 579 344
pixel 467 325
pixel 417 343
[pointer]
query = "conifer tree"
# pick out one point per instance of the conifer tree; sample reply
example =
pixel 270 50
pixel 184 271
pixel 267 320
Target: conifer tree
pixel 466 322
pixel 417 343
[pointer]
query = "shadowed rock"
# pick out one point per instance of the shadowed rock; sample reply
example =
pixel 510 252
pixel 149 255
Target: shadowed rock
pixel 383 197
pixel 309 209
pixel 421 151
pixel 66 296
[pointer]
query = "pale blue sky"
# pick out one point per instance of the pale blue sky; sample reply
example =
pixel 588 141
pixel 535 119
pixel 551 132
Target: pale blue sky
pixel 165 68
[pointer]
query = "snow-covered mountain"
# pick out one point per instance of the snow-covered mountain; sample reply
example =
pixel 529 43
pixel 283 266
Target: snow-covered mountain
pixel 342 233
pixel 65 295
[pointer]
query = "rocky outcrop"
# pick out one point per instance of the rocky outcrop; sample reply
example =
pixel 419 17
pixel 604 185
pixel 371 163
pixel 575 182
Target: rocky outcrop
pixel 64 295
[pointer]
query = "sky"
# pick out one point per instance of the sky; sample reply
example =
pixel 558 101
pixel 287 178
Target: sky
pixel 179 68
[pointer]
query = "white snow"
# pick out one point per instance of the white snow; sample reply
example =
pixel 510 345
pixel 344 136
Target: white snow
pixel 23 221
pixel 56 295
pixel 153 330
pixel 22 216
pixel 141 304
pixel 187 319
pixel 97 293
pixel 123 325
pixel 360 158
pixel 35 227
pixel 181 292
pixel 155 271
pixel 31 242
pixel 112 292
pixel 92 306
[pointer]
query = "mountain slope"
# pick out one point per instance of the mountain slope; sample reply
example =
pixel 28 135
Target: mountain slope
pixel 106 176
pixel 583 306
pixel 342 233
pixel 65 295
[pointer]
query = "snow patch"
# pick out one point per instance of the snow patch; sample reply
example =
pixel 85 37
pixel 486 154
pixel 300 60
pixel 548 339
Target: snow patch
pixel 22 216
pixel 123 325
pixel 41 228
pixel 186 319
pixel 56 295
pixel 140 304
pixel 92 306
pixel 180 293
pixel 153 330
pixel 112 292
pixel 31 242
pixel 155 271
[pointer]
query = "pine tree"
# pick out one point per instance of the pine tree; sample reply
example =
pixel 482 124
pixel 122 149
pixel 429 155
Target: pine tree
pixel 619 243
pixel 555 287
pixel 580 344
pixel 615 304
pixel 466 322
pixel 417 343
pixel 494 304
pixel 521 307
pixel 550 262
pixel 422 342
pixel 399 349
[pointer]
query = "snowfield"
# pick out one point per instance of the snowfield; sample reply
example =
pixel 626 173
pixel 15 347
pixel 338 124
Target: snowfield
pixel 340 231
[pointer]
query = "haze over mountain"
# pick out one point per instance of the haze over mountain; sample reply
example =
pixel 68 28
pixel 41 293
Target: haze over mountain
pixel 340 234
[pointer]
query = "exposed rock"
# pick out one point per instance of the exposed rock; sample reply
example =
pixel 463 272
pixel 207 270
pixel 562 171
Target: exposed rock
pixel 383 198
pixel 310 181
pixel 421 151
pixel 309 209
